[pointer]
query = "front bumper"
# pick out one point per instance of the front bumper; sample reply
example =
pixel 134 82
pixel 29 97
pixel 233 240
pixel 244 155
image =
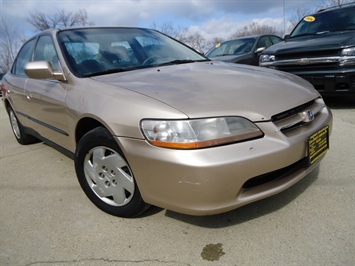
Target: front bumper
pixel 215 180
pixel 331 83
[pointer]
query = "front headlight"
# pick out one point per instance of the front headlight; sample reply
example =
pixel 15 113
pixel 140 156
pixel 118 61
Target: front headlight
pixel 199 133
pixel 348 52
pixel 266 58
pixel 348 57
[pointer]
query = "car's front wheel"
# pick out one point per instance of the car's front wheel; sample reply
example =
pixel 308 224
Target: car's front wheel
pixel 105 176
pixel 18 130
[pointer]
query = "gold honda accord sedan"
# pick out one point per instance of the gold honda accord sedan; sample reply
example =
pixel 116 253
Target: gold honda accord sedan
pixel 149 121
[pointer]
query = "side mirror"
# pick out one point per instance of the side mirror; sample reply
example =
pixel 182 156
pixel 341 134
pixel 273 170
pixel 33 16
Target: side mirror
pixel 42 70
pixel 287 36
pixel 259 50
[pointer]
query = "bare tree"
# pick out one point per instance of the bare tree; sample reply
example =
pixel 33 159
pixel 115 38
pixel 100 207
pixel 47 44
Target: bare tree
pixel 62 18
pixel 196 41
pixel 300 13
pixel 169 29
pixel 10 42
pixel 192 39
pixel 255 28
pixel 331 3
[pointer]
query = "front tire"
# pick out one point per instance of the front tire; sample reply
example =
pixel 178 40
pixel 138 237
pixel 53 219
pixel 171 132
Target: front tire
pixel 18 130
pixel 105 176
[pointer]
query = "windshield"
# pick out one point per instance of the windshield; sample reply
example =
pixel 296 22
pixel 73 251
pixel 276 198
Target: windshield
pixel 96 51
pixel 330 21
pixel 235 47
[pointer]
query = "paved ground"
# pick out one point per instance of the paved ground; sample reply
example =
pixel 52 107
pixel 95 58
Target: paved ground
pixel 47 220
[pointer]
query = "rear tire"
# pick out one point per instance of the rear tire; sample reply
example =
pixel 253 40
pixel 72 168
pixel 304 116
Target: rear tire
pixel 105 176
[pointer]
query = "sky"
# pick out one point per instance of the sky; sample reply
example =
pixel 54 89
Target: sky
pixel 211 18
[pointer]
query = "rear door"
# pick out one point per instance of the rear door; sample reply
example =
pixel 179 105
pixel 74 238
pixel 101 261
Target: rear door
pixel 16 83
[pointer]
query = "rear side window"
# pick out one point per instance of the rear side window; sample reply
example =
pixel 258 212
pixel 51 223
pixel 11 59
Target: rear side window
pixel 23 57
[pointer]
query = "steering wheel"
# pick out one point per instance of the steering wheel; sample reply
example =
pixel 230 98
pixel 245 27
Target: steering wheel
pixel 149 59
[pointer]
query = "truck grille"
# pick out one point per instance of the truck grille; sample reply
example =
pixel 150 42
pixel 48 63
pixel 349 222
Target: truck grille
pixel 309 54
pixel 313 67
pixel 319 61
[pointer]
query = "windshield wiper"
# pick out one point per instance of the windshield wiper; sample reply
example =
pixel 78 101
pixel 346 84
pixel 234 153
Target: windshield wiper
pixel 181 61
pixel 177 62
pixel 105 72
pixel 343 29
pixel 304 34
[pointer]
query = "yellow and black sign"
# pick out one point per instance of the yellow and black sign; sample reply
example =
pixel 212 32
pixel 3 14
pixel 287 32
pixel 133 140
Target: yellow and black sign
pixel 309 19
pixel 318 144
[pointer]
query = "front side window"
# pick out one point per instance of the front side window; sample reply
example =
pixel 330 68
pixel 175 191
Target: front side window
pixel 45 51
pixel 23 57
pixel 275 39
pixel 264 42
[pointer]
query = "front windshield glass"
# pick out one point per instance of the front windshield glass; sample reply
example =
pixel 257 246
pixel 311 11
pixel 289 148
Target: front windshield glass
pixel 96 51
pixel 335 20
pixel 235 47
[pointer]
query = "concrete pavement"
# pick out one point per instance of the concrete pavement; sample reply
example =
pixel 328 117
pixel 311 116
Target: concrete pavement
pixel 45 218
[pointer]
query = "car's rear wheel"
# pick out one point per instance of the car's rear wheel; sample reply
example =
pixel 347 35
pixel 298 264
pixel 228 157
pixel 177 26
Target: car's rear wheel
pixel 105 176
pixel 18 130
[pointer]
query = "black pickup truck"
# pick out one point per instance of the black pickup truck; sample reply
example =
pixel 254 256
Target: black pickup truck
pixel 320 49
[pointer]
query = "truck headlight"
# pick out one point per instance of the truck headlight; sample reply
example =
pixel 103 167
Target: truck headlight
pixel 347 57
pixel 348 52
pixel 266 58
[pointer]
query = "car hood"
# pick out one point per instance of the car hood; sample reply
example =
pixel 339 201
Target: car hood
pixel 209 89
pixel 326 41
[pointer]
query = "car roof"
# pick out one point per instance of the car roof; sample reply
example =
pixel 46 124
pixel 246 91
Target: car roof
pixel 329 9
pixel 55 30
pixel 250 36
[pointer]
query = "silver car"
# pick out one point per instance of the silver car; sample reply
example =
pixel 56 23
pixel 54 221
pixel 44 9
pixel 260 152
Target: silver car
pixel 149 121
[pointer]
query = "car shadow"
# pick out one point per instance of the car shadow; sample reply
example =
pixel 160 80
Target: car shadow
pixel 251 211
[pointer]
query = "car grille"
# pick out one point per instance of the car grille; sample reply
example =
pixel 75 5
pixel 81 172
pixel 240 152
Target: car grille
pixel 286 122
pixel 353 82
pixel 297 117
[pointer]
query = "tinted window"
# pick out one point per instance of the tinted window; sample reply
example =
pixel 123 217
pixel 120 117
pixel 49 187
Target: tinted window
pixel 264 42
pixel 234 47
pixel 334 20
pixel 23 57
pixel 275 39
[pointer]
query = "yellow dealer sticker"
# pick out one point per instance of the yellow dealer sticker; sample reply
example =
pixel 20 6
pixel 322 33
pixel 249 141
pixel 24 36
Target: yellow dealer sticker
pixel 318 144
pixel 309 19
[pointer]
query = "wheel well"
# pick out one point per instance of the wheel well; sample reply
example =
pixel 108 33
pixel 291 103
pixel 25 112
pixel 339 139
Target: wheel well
pixel 84 126
pixel 6 102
